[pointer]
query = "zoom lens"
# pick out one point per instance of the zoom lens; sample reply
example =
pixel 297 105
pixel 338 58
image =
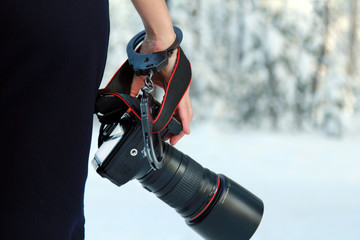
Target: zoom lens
pixel 213 205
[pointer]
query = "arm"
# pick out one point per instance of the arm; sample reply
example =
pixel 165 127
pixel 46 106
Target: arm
pixel 157 23
pixel 159 36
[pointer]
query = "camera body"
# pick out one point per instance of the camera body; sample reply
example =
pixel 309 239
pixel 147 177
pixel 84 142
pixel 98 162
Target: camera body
pixel 119 157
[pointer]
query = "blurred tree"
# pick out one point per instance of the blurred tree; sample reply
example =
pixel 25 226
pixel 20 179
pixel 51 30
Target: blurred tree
pixel 353 45
pixel 281 64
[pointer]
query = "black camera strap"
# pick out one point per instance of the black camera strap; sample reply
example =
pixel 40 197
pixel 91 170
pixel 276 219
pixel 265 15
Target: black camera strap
pixel 114 100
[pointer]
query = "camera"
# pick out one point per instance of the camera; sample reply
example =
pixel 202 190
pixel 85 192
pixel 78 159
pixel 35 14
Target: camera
pixel 132 146
pixel 212 204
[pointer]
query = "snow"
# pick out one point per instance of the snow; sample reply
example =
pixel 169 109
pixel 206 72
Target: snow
pixel 310 186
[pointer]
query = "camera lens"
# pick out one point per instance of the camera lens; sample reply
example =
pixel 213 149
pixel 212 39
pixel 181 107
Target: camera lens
pixel 213 205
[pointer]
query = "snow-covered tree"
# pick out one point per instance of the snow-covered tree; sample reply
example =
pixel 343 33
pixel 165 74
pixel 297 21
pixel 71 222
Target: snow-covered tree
pixel 283 64
pixel 278 63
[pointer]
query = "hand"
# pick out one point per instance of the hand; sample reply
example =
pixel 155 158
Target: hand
pixel 184 111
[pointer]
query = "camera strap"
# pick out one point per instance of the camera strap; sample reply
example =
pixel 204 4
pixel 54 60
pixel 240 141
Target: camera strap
pixel 114 100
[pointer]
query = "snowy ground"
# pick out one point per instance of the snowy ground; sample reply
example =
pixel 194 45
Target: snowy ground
pixel 310 186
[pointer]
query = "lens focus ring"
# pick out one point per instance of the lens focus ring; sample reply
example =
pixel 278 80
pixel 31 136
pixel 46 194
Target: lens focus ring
pixel 187 186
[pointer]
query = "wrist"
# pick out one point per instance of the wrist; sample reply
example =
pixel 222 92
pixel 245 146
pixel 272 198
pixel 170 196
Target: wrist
pixel 158 39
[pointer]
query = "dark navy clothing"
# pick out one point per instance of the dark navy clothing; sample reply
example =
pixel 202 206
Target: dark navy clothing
pixel 52 57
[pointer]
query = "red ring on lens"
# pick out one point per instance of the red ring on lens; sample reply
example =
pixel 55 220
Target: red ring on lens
pixel 213 197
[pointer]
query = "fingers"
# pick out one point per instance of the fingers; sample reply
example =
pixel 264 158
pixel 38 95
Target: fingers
pixel 136 85
pixel 185 114
pixel 175 139
pixel 184 111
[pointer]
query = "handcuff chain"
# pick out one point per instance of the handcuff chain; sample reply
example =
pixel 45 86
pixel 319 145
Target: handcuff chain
pixel 148 83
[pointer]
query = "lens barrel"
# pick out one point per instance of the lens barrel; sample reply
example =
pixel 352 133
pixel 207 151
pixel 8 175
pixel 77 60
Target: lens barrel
pixel 213 205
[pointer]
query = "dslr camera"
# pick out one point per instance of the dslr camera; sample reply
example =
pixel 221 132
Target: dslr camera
pixel 213 205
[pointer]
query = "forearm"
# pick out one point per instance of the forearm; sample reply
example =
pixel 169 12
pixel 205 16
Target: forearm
pixel 157 22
